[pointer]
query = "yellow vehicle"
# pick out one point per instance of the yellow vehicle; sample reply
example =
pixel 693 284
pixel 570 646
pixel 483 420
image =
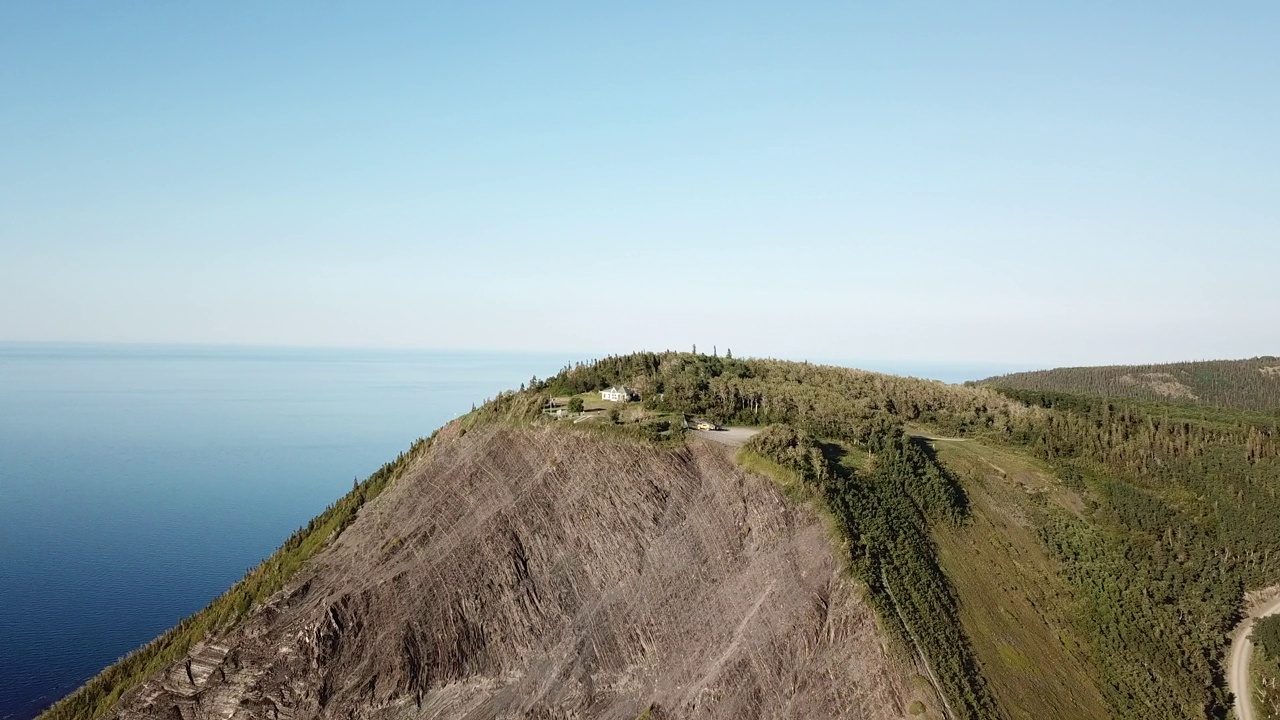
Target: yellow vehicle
pixel 704 425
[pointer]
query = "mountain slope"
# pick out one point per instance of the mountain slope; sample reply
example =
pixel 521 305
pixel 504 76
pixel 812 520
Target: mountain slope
pixel 552 573
pixel 1245 384
pixel 1033 554
pixel 1178 512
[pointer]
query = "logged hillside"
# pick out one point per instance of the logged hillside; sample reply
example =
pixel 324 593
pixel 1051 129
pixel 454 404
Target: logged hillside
pixel 1030 554
pixel 1245 384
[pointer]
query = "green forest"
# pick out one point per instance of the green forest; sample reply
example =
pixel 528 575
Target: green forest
pixel 1183 505
pixel 886 513
pixel 1266 667
pixel 1245 384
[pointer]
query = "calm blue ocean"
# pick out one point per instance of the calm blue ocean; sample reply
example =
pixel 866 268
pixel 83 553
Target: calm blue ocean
pixel 139 482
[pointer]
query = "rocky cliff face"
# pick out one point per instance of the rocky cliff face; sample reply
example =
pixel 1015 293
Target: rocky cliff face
pixel 550 574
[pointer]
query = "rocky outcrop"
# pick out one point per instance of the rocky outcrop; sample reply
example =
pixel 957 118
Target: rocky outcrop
pixel 552 574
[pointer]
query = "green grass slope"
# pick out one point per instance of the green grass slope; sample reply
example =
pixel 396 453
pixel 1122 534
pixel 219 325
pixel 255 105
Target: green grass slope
pixel 1014 605
pixel 1246 384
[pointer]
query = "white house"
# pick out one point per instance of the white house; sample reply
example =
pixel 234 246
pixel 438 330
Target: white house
pixel 616 394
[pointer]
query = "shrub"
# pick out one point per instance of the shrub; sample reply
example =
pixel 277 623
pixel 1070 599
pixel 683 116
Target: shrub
pixel 1266 634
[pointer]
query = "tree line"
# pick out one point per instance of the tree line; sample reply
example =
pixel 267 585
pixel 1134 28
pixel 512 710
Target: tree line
pixel 886 514
pixel 1252 384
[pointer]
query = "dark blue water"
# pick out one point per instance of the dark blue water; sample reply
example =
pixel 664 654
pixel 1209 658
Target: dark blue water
pixel 137 483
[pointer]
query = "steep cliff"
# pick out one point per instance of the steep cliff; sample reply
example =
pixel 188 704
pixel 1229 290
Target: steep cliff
pixel 550 573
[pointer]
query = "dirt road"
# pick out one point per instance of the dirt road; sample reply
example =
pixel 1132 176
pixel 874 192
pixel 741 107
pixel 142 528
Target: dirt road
pixel 733 437
pixel 1241 654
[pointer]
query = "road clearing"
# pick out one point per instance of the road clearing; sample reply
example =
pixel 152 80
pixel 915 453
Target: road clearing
pixel 731 436
pixel 1241 655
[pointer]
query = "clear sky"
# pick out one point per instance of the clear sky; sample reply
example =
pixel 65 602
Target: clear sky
pixel 1053 183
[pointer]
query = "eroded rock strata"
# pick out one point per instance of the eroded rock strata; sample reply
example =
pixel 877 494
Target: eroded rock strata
pixel 552 574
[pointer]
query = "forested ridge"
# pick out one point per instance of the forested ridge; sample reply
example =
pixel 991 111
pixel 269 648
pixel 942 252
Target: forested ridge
pixel 1252 384
pixel 1185 516
pixel 1183 503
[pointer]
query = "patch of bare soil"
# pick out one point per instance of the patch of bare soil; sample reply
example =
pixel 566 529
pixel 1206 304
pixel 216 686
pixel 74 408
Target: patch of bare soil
pixel 1164 384
pixel 555 574
pixel 731 436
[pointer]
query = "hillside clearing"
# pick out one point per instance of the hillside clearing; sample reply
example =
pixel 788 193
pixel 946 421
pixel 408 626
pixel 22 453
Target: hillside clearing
pixel 1012 603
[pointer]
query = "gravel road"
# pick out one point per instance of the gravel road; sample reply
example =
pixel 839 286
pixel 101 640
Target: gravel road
pixel 1238 660
pixel 733 437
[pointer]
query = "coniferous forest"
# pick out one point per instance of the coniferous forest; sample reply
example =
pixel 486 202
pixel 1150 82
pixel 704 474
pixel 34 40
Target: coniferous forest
pixel 1246 384
pixel 1182 516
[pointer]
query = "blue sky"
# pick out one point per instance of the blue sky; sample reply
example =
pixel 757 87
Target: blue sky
pixel 1047 183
